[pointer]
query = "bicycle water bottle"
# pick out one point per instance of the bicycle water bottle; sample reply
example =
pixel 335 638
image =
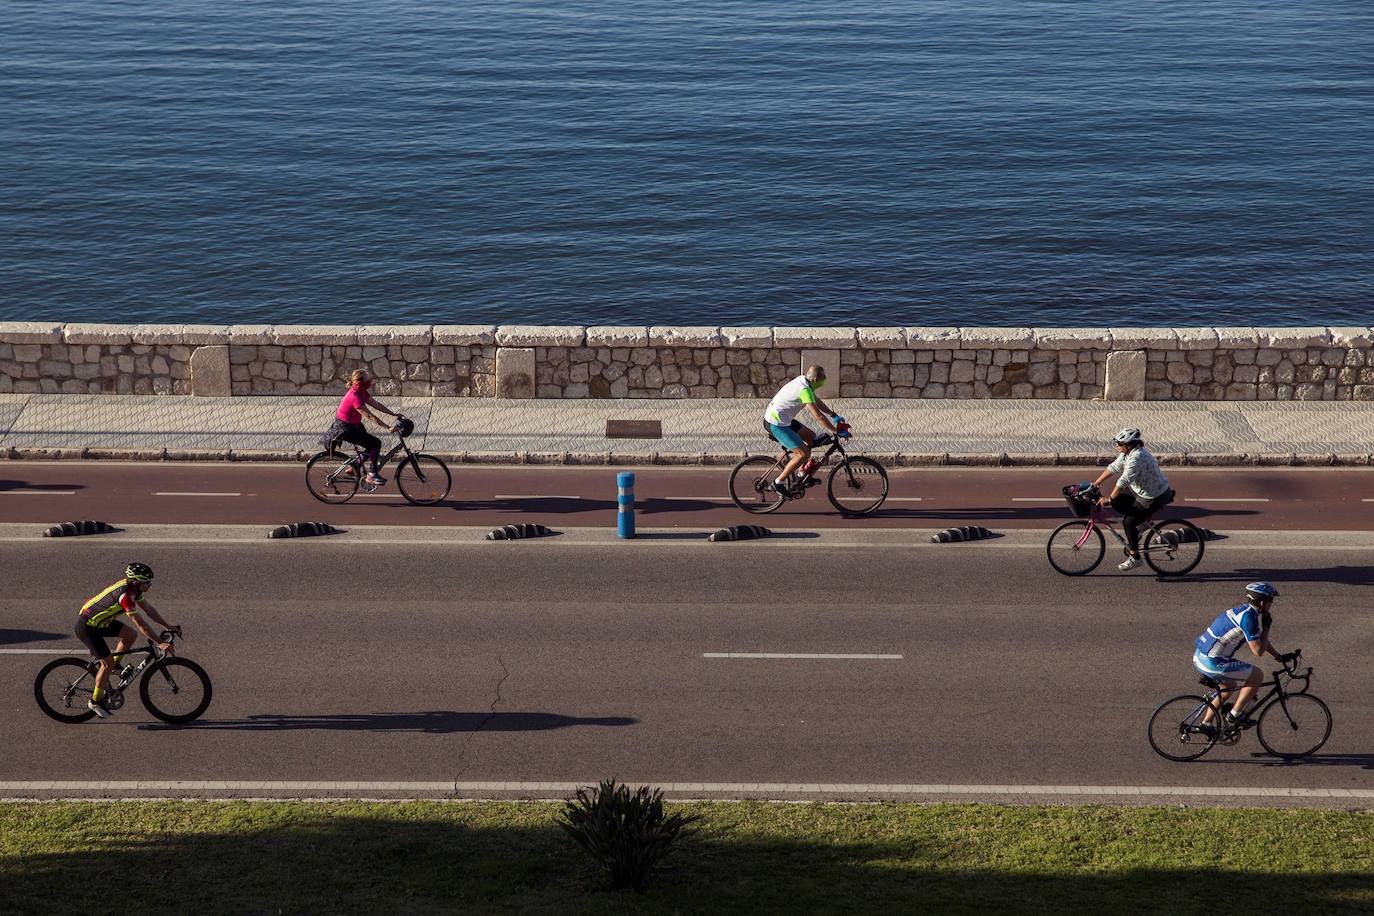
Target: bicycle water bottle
pixel 809 468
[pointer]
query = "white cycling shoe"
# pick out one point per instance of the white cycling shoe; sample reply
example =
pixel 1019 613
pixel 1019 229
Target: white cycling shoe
pixel 1129 564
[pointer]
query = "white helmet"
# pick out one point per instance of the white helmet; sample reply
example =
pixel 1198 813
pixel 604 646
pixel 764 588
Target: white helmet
pixel 1127 436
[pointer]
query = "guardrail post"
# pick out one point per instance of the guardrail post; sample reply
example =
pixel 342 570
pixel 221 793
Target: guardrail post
pixel 625 499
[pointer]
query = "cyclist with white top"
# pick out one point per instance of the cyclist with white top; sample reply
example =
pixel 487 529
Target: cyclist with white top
pixel 781 423
pixel 1141 489
pixel 1214 650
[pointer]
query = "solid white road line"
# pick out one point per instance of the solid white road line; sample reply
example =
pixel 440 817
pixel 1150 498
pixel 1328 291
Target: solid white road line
pixel 37 492
pixel 794 655
pixel 176 493
pixel 11 788
pixel 56 650
pixel 1214 499
pixel 532 496
pixel 904 499
pixel 685 499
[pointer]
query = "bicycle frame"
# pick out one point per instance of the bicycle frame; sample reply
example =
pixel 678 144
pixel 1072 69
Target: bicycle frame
pixel 118 681
pixel 1098 519
pixel 1276 690
pixel 835 446
pixel 357 460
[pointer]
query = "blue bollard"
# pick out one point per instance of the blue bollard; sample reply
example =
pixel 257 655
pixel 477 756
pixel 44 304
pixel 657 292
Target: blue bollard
pixel 625 498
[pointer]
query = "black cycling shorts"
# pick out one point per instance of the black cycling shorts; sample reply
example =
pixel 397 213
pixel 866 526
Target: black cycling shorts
pixel 93 638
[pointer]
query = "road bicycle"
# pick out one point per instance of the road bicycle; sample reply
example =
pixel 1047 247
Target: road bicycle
pixel 857 484
pixel 173 689
pixel 422 479
pixel 1290 724
pixel 1171 547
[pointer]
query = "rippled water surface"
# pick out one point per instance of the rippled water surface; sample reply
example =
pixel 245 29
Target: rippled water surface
pixel 646 161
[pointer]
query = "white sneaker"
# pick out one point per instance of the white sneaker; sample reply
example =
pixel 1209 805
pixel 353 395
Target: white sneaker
pixel 99 708
pixel 1130 563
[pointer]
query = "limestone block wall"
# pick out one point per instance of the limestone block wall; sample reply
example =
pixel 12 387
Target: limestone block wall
pixel 691 362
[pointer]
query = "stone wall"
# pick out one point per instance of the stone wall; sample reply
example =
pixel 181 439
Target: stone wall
pixel 691 362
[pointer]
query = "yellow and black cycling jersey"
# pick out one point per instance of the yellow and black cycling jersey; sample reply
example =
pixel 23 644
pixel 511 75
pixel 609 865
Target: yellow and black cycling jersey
pixel 109 604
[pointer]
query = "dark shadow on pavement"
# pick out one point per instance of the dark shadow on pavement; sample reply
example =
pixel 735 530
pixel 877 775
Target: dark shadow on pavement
pixel 24 485
pixel 9 637
pixel 414 859
pixel 1363 761
pixel 437 722
pixel 1035 513
pixel 1343 575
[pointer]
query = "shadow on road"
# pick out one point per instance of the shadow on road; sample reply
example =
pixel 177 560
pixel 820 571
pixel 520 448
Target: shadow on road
pixel 1037 513
pixel 437 722
pixel 1344 575
pixel 1363 761
pixel 9 637
pixel 25 485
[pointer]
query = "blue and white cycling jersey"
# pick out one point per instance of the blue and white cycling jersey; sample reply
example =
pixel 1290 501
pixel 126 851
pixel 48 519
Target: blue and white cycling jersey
pixel 1231 628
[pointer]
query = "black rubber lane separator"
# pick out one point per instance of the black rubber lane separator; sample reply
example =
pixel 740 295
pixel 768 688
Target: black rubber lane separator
pixel 302 530
pixel 72 529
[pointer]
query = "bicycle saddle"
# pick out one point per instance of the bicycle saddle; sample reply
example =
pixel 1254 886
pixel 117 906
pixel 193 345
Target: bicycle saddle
pixel 1208 681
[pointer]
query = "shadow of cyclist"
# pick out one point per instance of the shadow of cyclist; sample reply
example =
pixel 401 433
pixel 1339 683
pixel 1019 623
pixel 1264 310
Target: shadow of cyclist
pixel 435 722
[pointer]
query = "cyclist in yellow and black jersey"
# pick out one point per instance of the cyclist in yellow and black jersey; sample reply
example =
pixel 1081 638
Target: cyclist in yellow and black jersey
pixel 99 620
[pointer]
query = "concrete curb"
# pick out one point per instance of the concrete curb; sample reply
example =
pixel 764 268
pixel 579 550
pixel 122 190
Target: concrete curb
pixel 701 459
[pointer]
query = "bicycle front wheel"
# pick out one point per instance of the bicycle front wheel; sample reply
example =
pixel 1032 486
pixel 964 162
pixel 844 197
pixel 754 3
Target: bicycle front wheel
pixel 1174 547
pixel 331 478
pixel 1177 731
pixel 1070 557
pixel 751 485
pixel 1295 726
pixel 63 688
pixel 857 486
pixel 175 690
pixel 424 480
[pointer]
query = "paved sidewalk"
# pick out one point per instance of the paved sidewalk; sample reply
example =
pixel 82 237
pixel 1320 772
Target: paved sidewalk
pixel 704 431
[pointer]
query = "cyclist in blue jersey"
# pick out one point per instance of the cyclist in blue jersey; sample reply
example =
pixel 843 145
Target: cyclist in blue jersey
pixel 1213 651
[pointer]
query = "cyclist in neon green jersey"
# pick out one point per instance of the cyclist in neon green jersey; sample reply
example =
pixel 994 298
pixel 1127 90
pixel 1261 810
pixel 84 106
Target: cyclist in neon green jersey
pixel 781 423
pixel 99 620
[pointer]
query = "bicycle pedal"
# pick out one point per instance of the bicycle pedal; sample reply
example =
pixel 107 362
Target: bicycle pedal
pixel 368 487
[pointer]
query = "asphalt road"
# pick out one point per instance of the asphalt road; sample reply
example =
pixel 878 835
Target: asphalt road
pixel 366 658
pixel 198 493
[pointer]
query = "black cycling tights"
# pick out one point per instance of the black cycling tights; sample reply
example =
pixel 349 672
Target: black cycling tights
pixel 370 444
pixel 1134 513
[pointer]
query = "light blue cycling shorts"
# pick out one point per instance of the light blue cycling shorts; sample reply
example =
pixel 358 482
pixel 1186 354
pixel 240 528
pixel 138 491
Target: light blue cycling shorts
pixel 788 436
pixel 1222 669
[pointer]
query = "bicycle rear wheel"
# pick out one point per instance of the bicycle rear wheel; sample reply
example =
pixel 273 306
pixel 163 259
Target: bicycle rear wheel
pixel 62 689
pixel 857 486
pixel 1176 729
pixel 330 478
pixel 1174 547
pixel 424 480
pixel 751 484
pixel 175 690
pixel 1065 554
pixel 1294 727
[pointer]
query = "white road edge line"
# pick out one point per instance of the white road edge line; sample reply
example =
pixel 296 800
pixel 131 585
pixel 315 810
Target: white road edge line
pixel 822 655
pixel 8 787
pixel 1216 499
pixel 533 496
pixel 56 650
pixel 178 493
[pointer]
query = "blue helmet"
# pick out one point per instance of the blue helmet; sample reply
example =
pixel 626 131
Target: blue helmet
pixel 1261 590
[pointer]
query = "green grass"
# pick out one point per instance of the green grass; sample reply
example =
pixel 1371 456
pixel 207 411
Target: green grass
pixel 434 857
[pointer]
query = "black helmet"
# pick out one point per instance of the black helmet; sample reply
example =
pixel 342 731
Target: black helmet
pixel 404 426
pixel 138 572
